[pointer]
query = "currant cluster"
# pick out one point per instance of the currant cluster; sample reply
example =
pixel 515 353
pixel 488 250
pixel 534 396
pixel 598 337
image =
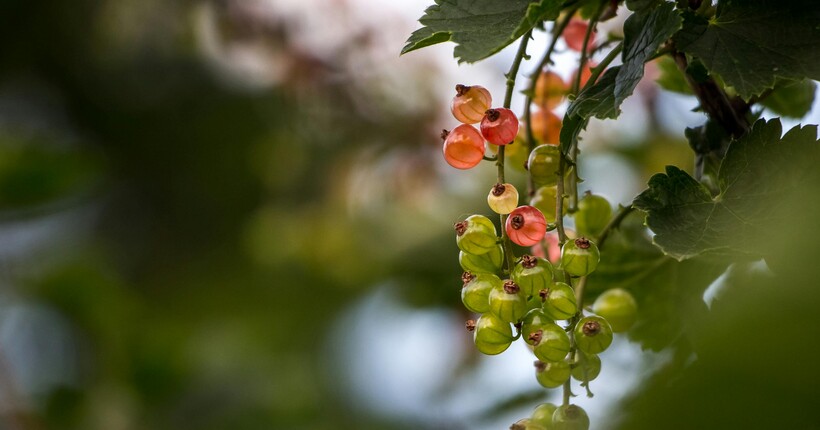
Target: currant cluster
pixel 529 296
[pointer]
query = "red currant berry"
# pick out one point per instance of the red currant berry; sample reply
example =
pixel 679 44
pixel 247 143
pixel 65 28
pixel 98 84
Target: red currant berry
pixel 546 126
pixel 490 262
pixel 532 274
pixel 526 226
pixel 475 293
pixel 476 235
pixel 554 343
pixel 463 147
pixel 559 301
pixel 470 103
pixel 499 126
pixel 574 35
pixel 580 257
pixel 570 417
pixel 543 165
pixel 503 198
pixel 593 334
pixel 618 307
pixel 552 374
pixel 586 367
pixel 550 90
pixel 491 335
pixel 507 302
pixel 593 214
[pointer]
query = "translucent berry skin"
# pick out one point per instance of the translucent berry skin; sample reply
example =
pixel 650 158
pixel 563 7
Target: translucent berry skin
pixel 470 103
pixel 586 367
pixel 593 334
pixel 492 336
pixel 507 303
pixel 550 90
pixel 502 198
pixel 463 147
pixel 543 414
pixel 552 374
pixel 618 307
pixel 580 257
pixel 533 325
pixel 526 226
pixel 532 274
pixel 476 235
pixel 489 262
pixel 546 126
pixel 475 294
pixel 526 424
pixel 554 344
pixel 574 35
pixel 543 165
pixel 544 201
pixel 559 303
pixel 593 214
pixel 499 126
pixel 570 417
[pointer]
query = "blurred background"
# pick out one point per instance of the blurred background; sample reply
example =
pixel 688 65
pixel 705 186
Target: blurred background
pixel 235 215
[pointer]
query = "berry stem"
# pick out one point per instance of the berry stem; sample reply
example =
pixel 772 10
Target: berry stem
pixel 511 75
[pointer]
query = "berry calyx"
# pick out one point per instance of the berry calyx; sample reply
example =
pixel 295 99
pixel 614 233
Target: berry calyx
pixel 470 103
pixel 533 326
pixel 579 257
pixel 593 334
pixel 526 226
pixel 503 198
pixel 618 307
pixel 470 325
pixel 570 417
pixel 551 374
pixel 463 147
pixel 499 126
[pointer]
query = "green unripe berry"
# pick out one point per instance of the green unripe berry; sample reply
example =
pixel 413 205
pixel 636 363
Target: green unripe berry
pixel 593 334
pixel 543 414
pixel 552 344
pixel 533 325
pixel 491 335
pixel 543 165
pixel 586 367
pixel 618 307
pixel 593 214
pixel 507 302
pixel 490 262
pixel 579 257
pixel 532 274
pixel 544 200
pixel 570 417
pixel 476 235
pixel 475 293
pixel 526 424
pixel 559 301
pixel 552 374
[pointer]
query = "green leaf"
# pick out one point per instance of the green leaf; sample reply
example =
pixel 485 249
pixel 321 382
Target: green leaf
pixel 750 44
pixel 641 5
pixel 793 99
pixel 760 173
pixel 480 28
pixel 669 293
pixel 671 78
pixel 643 35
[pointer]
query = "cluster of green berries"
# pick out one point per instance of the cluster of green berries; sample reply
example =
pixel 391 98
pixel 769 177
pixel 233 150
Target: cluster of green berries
pixel 525 296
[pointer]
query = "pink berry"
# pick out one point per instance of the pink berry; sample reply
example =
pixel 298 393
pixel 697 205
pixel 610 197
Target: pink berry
pixel 463 147
pixel 499 126
pixel 470 103
pixel 574 35
pixel 526 226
